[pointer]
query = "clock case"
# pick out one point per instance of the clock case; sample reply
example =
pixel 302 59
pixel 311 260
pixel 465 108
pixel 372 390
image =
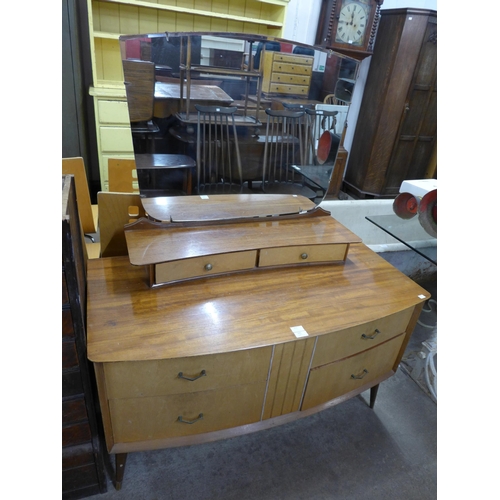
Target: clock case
pixel 327 28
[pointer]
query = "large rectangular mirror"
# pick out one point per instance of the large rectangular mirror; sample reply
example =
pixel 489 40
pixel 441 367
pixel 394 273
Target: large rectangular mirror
pixel 215 113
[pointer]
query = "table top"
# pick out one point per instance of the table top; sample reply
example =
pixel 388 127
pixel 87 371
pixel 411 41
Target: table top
pixel 223 206
pixel 127 320
pixel 165 90
pixel 408 232
pixel 163 161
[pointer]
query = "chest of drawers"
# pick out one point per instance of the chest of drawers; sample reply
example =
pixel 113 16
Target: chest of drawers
pixel 225 355
pixel 288 74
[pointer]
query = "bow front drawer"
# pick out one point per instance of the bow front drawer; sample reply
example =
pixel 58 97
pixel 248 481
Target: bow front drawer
pixel 302 254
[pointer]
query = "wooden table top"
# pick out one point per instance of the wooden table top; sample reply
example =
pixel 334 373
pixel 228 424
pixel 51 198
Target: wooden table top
pixel 165 90
pixel 127 320
pixel 223 206
pixel 153 245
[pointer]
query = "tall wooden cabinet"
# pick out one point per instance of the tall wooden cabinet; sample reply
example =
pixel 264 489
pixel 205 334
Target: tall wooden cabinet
pixel 396 130
pixel 82 451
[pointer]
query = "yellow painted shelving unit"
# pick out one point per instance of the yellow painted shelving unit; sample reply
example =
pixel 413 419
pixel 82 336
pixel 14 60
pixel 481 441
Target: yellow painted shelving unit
pixel 108 19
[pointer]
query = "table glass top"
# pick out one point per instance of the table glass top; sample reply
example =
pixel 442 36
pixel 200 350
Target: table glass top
pixel 409 232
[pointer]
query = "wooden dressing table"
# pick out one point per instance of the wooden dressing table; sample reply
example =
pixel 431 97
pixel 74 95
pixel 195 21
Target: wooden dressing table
pixel 208 358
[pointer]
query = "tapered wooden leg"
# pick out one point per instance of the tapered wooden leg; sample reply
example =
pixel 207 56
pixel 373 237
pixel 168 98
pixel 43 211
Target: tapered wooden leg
pixel 120 461
pixel 373 395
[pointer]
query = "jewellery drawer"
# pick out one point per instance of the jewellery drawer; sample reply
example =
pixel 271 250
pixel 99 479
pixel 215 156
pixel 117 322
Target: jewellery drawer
pixel 302 254
pixel 330 381
pixel 338 345
pixel 197 267
pixel 131 379
pixel 176 415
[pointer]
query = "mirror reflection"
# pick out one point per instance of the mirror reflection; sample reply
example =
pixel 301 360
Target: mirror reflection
pixel 216 113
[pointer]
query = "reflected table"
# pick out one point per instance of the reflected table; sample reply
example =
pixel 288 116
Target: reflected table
pixel 409 232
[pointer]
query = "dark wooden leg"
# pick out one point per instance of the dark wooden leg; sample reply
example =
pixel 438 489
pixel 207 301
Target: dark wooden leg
pixel 373 395
pixel 120 461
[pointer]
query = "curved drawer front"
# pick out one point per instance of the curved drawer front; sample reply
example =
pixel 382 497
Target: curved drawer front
pixel 330 381
pixel 302 254
pixel 338 345
pixel 142 419
pixel 136 379
pixel 204 266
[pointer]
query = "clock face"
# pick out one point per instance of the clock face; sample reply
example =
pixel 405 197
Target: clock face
pixel 352 23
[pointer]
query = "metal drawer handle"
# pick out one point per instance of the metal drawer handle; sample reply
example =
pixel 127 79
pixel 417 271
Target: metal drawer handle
pixel 368 337
pixel 359 377
pixel 304 256
pixel 181 419
pixel 203 373
pixel 208 267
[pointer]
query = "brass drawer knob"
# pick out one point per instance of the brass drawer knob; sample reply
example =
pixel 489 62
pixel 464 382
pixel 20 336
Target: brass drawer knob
pixel 304 256
pixel 208 267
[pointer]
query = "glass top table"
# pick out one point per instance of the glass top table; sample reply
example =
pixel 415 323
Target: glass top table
pixel 409 232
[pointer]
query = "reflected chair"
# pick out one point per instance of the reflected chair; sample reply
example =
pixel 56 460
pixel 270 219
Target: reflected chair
pixel 122 176
pixel 140 89
pixel 284 150
pixel 87 212
pixel 115 211
pixel 217 152
pixel 318 121
pixel 332 99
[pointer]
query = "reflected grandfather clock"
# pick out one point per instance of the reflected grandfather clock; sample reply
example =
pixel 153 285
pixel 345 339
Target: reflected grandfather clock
pixel 349 26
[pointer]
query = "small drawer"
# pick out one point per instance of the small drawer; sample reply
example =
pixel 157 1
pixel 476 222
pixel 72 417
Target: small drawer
pixel 177 415
pixel 338 345
pixel 288 89
pixel 133 379
pixel 113 112
pixel 294 69
pixel 331 381
pixel 296 59
pixel 198 267
pixel 302 254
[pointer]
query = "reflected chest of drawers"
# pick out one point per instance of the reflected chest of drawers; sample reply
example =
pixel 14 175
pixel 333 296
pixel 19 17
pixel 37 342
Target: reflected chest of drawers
pixel 207 357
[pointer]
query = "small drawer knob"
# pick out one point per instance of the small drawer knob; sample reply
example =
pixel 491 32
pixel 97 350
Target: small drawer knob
pixel 304 256
pixel 208 267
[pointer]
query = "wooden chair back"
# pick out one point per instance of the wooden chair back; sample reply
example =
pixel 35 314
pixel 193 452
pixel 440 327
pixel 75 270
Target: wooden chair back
pixel 140 89
pixel 217 151
pixel 116 210
pixel 122 176
pixel 88 215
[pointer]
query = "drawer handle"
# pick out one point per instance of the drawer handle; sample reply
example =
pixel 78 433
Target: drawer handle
pixel 203 373
pixel 181 419
pixel 359 377
pixel 368 337
pixel 304 256
pixel 208 267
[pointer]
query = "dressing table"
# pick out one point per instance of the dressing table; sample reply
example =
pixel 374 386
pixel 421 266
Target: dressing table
pixel 200 356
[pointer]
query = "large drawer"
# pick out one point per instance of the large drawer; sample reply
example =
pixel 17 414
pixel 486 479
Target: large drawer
pixel 295 69
pixel 338 345
pixel 290 79
pixel 204 266
pixel 302 254
pixel 135 379
pixel 330 381
pixel 288 89
pixel 141 419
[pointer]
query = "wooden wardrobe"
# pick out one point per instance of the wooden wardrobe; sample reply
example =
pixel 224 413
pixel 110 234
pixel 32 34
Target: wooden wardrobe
pixel 396 130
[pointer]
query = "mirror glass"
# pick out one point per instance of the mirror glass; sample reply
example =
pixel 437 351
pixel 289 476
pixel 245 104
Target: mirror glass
pixel 171 77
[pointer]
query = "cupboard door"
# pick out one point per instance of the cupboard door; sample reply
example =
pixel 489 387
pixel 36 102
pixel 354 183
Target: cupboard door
pixel 333 380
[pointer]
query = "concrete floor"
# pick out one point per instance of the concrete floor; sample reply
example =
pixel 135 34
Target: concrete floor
pixel 345 452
